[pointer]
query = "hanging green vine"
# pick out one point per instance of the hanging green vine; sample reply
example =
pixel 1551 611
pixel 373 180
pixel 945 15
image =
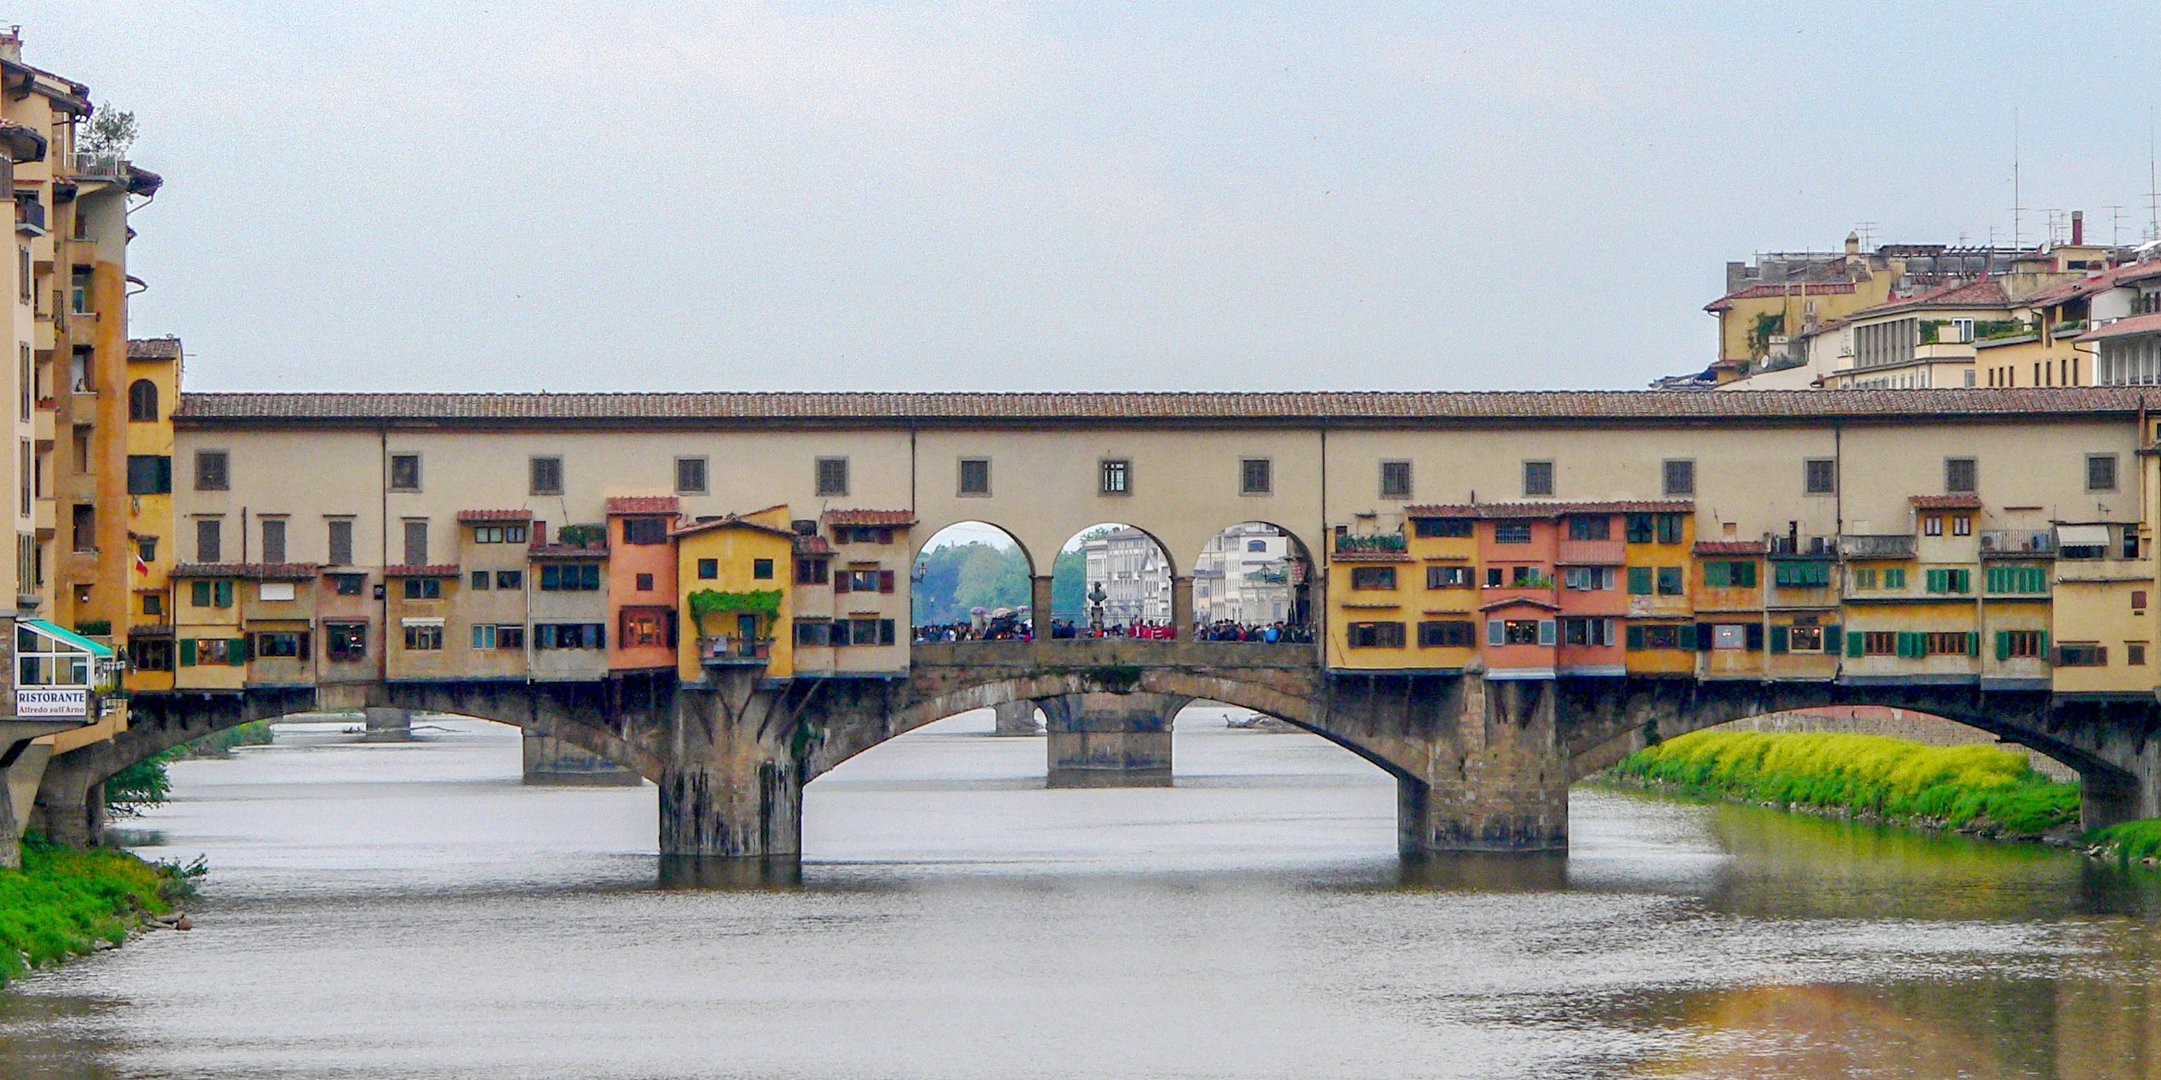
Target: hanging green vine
pixel 764 602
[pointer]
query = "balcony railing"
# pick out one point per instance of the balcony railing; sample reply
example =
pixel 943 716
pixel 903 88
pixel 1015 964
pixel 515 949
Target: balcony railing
pixel 30 217
pixel 724 651
pixel 98 164
pixel 1803 546
pixel 1888 546
pixel 2018 541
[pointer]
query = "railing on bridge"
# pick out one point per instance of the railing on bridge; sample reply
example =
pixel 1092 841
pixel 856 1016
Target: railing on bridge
pixel 1884 546
pixel 1113 652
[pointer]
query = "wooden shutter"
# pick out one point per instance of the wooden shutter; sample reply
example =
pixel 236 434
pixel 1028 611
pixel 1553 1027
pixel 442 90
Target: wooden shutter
pixel 841 581
pixel 187 652
pixel 1855 644
pixel 1779 639
pixel 1495 635
pixel 1706 634
pixel 1831 639
pixel 1752 638
pixel 1546 632
pixel 885 581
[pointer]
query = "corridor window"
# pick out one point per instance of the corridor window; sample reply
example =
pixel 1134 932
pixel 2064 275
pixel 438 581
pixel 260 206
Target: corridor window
pixel 645 531
pixel 341 541
pixel 2100 472
pixel 1819 476
pixel 212 470
pixel 273 539
pixel 209 540
pixel 416 542
pixel 1537 478
pixel 1679 477
pixel 832 476
pixel 1961 476
pixel 1395 479
pixel 1115 477
pixel 405 472
pixel 690 476
pixel 1256 476
pixel 481 579
pixel 547 476
pixel 975 476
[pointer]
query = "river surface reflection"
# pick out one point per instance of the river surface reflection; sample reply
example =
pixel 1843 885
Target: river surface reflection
pixel 411 910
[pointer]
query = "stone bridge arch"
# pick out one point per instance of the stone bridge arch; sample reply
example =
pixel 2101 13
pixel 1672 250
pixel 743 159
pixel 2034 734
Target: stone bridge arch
pixel 70 803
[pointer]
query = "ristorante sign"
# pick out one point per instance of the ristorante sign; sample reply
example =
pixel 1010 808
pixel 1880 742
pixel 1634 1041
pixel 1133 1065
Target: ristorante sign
pixel 52 701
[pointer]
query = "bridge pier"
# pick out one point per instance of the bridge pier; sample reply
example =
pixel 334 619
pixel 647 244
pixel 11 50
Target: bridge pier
pixel 1017 718
pixel 2112 797
pixel 70 803
pixel 1100 739
pixel 1495 777
pixel 731 786
pixel 551 761
pixel 380 723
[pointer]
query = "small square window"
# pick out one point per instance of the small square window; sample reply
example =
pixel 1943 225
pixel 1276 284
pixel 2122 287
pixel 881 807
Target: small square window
pixel 1256 476
pixel 1395 479
pixel 975 476
pixel 212 470
pixel 690 476
pixel 405 472
pixel 1679 477
pixel 1961 476
pixel 2100 472
pixel 1537 478
pixel 1115 477
pixel 645 583
pixel 1819 476
pixel 762 569
pixel 481 578
pixel 708 569
pixel 547 476
pixel 832 476
pixel 510 579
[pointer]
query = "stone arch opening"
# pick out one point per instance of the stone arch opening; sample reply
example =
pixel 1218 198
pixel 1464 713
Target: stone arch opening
pixel 971 580
pixel 1112 579
pixel 1253 581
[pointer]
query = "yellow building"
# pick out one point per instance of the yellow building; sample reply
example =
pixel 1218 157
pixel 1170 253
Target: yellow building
pixel 1764 311
pixel 1369 600
pixel 2101 623
pixel 153 388
pixel 209 645
pixel 735 575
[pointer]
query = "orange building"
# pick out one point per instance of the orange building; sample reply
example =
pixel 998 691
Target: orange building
pixel 641 582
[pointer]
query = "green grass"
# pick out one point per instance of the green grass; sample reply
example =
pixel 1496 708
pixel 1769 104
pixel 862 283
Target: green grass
pixel 2129 842
pixel 63 902
pixel 1900 781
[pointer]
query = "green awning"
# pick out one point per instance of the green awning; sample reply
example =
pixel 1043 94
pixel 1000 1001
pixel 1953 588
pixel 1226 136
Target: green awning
pixel 67 637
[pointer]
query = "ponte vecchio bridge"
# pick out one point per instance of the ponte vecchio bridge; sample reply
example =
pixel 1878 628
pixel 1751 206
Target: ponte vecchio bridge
pixel 1509 590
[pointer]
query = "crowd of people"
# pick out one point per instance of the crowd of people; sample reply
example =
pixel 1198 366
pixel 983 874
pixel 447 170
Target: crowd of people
pixel 1012 628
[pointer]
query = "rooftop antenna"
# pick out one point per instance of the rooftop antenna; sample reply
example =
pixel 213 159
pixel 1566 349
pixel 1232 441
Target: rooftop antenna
pixel 2115 224
pixel 2016 209
pixel 2153 184
pixel 1867 229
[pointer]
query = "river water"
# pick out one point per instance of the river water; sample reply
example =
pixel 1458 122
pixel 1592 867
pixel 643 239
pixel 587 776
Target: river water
pixel 412 910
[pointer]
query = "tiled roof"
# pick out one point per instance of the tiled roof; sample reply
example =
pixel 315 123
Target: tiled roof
pixel 1946 502
pixel 156 348
pixel 1731 547
pixel 1549 509
pixel 870 517
pixel 2124 327
pixel 1980 293
pixel 1513 601
pixel 729 522
pixel 1796 289
pixel 467 517
pixel 250 571
pixel 813 545
pixel 419 570
pixel 1425 406
pixel 2099 281
pixel 644 504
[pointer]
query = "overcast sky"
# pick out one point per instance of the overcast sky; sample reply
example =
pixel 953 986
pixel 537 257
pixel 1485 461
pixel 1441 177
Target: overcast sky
pixel 447 195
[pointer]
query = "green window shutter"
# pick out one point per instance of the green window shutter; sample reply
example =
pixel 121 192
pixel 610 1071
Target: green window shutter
pixel 1639 581
pixel 187 652
pixel 1993 579
pixel 1830 639
pixel 1973 643
pixel 2044 643
pixel 224 594
pixel 1778 639
pixel 2003 645
pixel 1962 581
pixel 241 650
pixel 1853 644
pixel 1933 581
pixel 199 592
pixel 1635 637
pixel 1748 575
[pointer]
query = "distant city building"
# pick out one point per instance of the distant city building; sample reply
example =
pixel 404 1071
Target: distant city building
pixel 1244 576
pixel 1136 579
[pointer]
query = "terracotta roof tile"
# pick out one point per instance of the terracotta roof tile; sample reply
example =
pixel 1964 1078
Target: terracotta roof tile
pixel 644 504
pixel 888 518
pixel 875 409
pixel 729 521
pixel 1796 289
pixel 1946 502
pixel 1507 510
pixel 1731 547
pixel 419 570
pixel 250 571
pixel 1979 293
pixel 813 545
pixel 157 348
pixel 467 517
pixel 2125 327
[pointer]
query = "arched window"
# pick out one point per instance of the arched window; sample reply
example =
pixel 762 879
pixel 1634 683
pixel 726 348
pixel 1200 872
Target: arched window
pixel 143 400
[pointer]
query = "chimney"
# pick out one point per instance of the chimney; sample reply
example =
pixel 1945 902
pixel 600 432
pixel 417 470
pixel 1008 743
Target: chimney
pixel 1853 243
pixel 2078 227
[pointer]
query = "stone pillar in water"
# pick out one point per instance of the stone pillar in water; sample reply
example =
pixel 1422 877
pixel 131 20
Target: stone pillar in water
pixel 551 761
pixel 1110 740
pixel 1017 718
pixel 1499 783
pixel 386 723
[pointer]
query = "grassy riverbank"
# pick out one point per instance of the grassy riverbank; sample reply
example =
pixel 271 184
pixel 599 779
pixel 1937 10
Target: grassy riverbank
pixel 2128 843
pixel 64 903
pixel 1978 788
